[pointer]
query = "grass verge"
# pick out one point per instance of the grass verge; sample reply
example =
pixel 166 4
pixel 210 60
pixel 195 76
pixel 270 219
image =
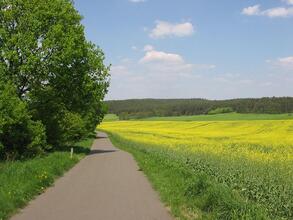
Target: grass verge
pixel 21 181
pixel 110 117
pixel 223 117
pixel 189 194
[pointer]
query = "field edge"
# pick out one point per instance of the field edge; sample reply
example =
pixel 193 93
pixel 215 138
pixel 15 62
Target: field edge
pixel 176 187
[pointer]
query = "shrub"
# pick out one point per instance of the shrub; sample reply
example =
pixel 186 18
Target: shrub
pixel 19 136
pixel 63 127
pixel 72 127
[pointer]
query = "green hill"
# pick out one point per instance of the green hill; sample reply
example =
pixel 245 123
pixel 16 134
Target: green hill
pixel 145 108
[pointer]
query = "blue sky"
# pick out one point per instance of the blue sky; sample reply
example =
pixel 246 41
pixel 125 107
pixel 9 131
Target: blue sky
pixel 194 48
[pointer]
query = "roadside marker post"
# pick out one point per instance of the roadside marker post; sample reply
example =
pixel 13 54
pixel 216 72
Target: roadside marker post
pixel 71 153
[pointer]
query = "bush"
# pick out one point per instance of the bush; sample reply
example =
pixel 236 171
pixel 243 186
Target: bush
pixel 72 128
pixel 63 127
pixel 19 136
pixel 220 111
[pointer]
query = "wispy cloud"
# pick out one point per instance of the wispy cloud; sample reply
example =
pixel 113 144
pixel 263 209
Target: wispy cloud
pixel 134 47
pixel 284 62
pixel 251 10
pixel 137 1
pixel 119 70
pixel 169 62
pixel 289 2
pixel 271 12
pixel 160 56
pixel 278 12
pixel 148 48
pixel 165 29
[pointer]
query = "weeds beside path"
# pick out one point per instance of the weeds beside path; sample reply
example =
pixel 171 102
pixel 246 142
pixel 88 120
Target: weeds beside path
pixel 105 185
pixel 21 181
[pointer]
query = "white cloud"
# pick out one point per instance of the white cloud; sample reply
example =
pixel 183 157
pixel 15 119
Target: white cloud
pixel 165 29
pixel 177 80
pixel 289 2
pixel 271 12
pixel 137 1
pixel 278 12
pixel 252 10
pixel 204 66
pixel 148 48
pixel 164 63
pixel 159 56
pixel 134 48
pixel 119 70
pixel 156 74
pixel 284 62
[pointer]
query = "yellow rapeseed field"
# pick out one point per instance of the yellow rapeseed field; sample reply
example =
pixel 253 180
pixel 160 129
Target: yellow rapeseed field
pixel 256 140
pixel 254 158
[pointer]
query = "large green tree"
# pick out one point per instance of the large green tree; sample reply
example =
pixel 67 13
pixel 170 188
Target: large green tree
pixel 60 75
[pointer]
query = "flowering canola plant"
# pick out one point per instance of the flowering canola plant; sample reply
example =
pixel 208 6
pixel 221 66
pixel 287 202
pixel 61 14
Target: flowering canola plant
pixel 252 157
pixel 256 140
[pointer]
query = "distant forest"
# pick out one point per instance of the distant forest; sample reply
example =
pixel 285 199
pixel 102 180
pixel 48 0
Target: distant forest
pixel 142 108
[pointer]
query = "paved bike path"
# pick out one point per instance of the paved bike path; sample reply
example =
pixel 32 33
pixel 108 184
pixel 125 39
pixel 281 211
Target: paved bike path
pixel 105 185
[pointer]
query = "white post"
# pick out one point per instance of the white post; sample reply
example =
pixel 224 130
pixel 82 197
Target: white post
pixel 71 153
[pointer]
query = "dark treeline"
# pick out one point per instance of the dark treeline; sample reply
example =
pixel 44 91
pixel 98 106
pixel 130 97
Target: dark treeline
pixel 141 108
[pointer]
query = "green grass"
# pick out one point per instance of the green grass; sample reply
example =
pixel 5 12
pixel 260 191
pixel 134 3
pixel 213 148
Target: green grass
pixel 222 117
pixel 110 117
pixel 190 193
pixel 21 181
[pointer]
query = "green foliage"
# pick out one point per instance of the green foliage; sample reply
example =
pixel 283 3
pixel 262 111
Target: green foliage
pixel 143 108
pixel 62 126
pixel 19 135
pixel 42 42
pixel 220 111
pixel 73 128
pixel 60 76
pixel 21 181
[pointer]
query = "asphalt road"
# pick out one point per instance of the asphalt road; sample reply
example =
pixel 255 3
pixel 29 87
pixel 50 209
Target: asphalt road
pixel 105 185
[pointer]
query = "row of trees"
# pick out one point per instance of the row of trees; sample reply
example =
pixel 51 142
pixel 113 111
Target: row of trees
pixel 141 108
pixel 52 80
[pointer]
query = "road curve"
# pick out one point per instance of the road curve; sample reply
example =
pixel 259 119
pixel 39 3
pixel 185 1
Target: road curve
pixel 105 185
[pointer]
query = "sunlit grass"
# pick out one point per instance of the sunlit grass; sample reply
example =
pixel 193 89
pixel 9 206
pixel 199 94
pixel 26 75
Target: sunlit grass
pixel 223 117
pixel 110 117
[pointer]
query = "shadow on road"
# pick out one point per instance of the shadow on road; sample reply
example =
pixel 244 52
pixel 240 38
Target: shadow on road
pixel 81 149
pixel 101 151
pixel 101 137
